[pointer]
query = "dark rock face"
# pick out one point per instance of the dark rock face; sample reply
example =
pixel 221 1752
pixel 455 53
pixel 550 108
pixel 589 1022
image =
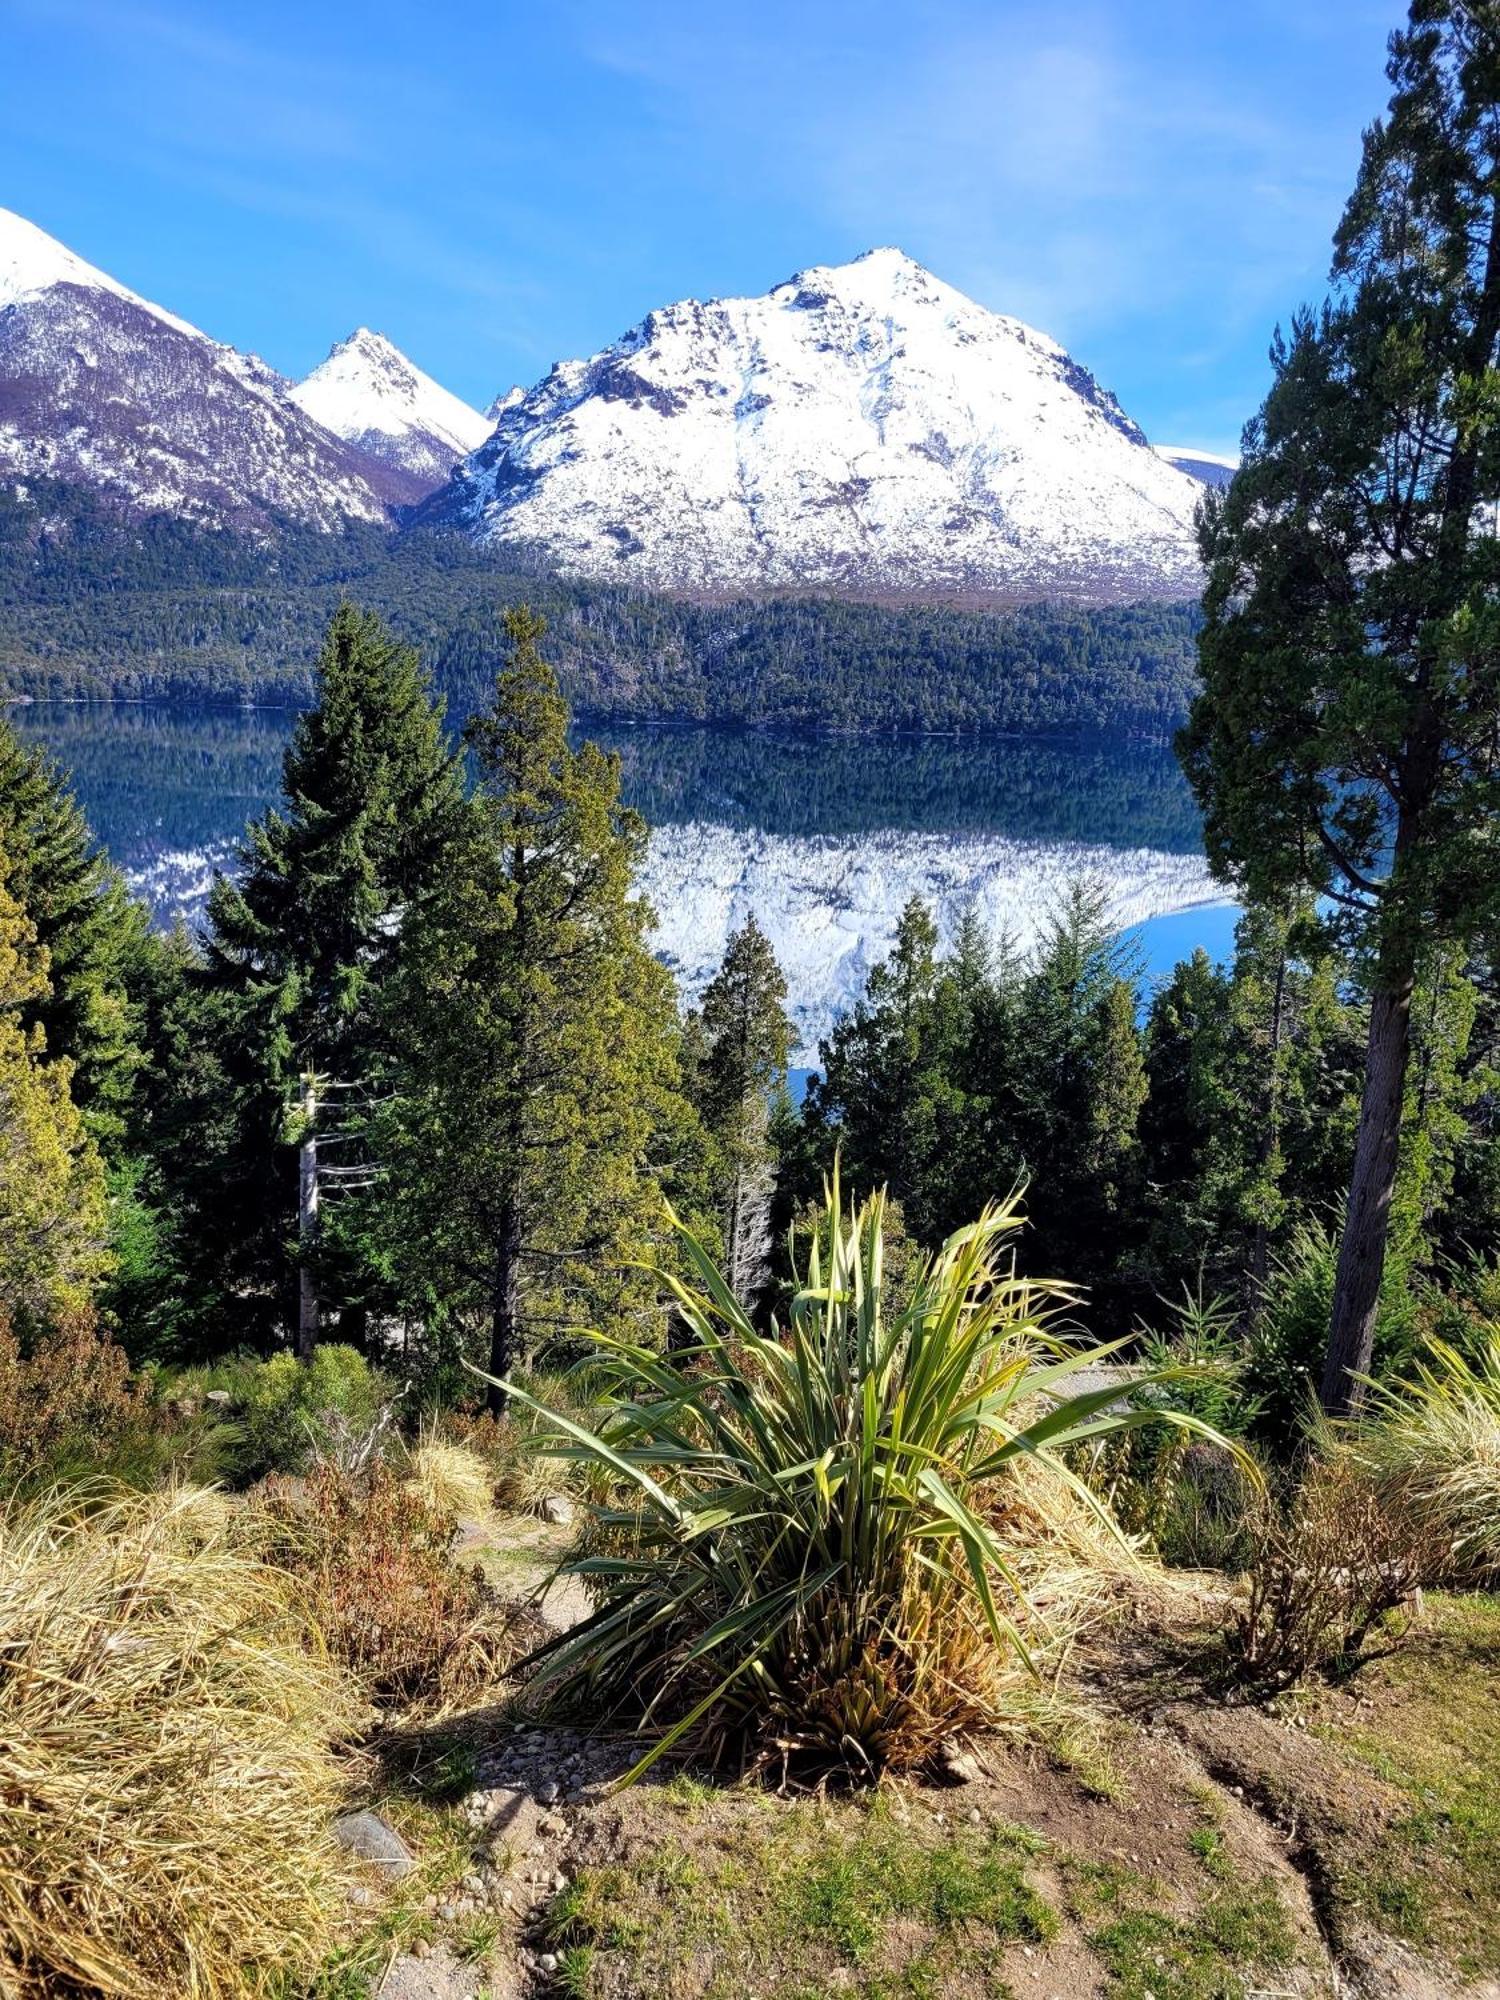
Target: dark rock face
pixel 100 389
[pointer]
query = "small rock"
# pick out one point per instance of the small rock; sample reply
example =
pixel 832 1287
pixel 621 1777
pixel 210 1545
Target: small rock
pixel 957 1766
pixel 558 1509
pixel 548 1961
pixel 550 1793
pixel 370 1838
pixel 220 1398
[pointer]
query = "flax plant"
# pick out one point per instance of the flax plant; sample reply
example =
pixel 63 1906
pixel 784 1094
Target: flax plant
pixel 808 1550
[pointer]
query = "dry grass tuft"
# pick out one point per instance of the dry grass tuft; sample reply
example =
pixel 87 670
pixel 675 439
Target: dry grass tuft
pixel 1431 1447
pixel 449 1479
pixel 166 1781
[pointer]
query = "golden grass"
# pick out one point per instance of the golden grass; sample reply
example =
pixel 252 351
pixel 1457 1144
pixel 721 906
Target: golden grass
pixel 449 1479
pixel 167 1786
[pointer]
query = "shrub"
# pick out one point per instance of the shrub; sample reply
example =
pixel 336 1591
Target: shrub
pixel 375 1558
pixel 1328 1561
pixel 290 1410
pixel 166 1782
pixel 1431 1447
pixel 1164 1480
pixel 813 1551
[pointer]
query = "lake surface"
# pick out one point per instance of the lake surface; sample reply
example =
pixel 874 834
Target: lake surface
pixel 824 839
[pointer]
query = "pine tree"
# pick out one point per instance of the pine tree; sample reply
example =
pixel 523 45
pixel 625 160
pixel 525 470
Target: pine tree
pixel 744 1040
pixel 302 940
pixel 54 1224
pixel 538 1080
pixel 89 929
pixel 1343 741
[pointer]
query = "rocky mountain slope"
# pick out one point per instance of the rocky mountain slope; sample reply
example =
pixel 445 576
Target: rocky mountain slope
pixel 863 427
pixel 369 394
pixel 99 386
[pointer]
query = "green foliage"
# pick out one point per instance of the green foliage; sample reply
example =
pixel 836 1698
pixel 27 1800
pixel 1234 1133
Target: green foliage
pixel 1431 1444
pixel 536 1104
pixel 810 1548
pixel 735 1061
pixel 54 1236
pixel 955 1079
pixel 87 928
pixel 1342 743
pixel 299 947
pixel 289 1411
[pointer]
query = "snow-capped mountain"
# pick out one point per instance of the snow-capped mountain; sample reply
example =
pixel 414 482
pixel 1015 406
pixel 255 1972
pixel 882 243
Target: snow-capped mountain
pixel 368 393
pixel 98 385
pixel 862 427
pixel 1207 467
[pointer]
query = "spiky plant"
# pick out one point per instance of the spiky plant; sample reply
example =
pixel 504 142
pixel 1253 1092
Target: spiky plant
pixel 808 1550
pixel 1431 1444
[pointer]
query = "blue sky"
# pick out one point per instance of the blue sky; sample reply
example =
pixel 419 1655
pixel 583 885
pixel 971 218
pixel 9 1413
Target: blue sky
pixel 498 186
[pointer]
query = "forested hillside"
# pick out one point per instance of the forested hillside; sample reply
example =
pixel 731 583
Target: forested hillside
pixel 91 606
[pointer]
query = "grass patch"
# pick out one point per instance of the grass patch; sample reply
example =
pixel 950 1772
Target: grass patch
pixel 1432 1729
pixel 801 1895
pixel 1214 1952
pixel 1238 1932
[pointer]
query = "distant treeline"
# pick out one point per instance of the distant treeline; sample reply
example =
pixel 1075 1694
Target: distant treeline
pixel 92 605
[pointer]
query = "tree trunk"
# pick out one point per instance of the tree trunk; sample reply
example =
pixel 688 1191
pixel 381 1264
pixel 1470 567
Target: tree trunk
pixel 1270 1132
pixel 505 1309
pixel 307 1224
pixel 1356 1288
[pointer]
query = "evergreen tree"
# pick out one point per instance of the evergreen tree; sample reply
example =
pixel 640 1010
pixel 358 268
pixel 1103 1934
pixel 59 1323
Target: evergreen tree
pixel 742 1039
pixel 538 1103
pixel 301 941
pixel 54 1225
pixel 885 1092
pixel 1343 740
pixel 89 930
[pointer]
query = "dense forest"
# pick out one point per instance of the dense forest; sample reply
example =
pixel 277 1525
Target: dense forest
pixel 94 605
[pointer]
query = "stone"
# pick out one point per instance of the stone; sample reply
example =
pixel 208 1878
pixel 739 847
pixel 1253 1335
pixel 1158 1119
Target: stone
pixel 957 1766
pixel 558 1509
pixel 368 1837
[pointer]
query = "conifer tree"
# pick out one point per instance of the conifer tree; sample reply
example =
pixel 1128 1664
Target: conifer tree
pixel 300 942
pixel 87 926
pixel 54 1224
pixel 539 1068
pixel 743 1041
pixel 1343 741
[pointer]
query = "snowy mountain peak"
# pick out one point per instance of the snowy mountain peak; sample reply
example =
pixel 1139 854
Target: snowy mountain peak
pixel 370 394
pixel 32 262
pixel 862 426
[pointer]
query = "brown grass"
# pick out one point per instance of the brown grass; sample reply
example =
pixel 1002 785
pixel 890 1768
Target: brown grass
pixel 166 1779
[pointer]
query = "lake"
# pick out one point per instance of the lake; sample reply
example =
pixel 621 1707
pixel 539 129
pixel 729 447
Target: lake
pixel 824 839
